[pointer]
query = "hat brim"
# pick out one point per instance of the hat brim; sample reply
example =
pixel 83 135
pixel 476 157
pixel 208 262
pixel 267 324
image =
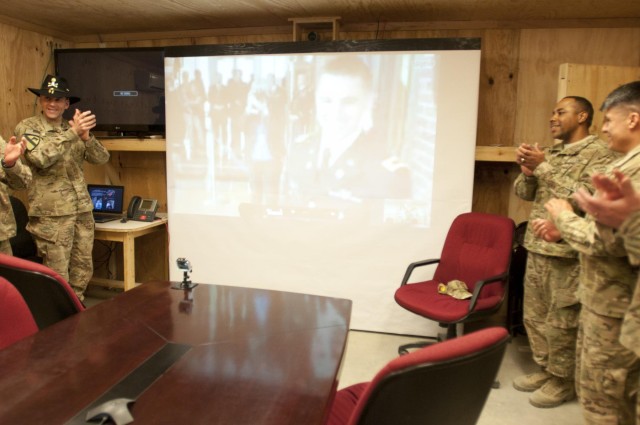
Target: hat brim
pixel 41 92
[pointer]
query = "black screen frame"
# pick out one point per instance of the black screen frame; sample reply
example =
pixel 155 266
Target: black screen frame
pixel 452 43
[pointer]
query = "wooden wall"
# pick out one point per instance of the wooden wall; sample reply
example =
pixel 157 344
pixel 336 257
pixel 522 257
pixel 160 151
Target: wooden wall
pixel 518 87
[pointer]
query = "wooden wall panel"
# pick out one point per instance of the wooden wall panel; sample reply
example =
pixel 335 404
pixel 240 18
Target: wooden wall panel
pixel 498 88
pixel 26 58
pixel 541 54
pixel 144 174
pixel 594 82
pixel 490 193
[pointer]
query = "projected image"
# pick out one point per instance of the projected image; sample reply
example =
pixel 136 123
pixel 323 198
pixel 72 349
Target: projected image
pixel 338 137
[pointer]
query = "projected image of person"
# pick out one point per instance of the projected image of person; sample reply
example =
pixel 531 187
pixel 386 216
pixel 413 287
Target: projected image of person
pixel 302 104
pixel 195 105
pixel 219 117
pixel 271 116
pixel 193 97
pixel 187 117
pixel 265 146
pixel 237 93
pixel 345 160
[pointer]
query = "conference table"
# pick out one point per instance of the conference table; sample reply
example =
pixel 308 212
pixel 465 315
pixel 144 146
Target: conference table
pixel 213 354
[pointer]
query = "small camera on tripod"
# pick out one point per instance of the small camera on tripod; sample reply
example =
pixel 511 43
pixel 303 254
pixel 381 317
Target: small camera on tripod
pixel 185 266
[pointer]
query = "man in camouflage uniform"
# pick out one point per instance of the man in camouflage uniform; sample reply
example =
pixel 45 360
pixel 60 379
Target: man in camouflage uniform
pixel 60 217
pixel 16 175
pixel 618 206
pixel 607 372
pixel 551 308
pixel 630 331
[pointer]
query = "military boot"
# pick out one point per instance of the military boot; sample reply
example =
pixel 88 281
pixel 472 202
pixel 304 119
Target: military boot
pixel 531 382
pixel 553 393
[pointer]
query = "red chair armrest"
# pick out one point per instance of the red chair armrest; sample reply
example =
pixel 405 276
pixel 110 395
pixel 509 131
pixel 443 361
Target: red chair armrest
pixel 415 265
pixel 480 284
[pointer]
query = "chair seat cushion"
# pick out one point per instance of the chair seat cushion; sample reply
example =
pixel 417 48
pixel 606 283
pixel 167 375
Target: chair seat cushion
pixel 423 299
pixel 345 402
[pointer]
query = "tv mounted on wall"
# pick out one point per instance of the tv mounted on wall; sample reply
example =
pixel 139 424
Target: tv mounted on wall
pixel 123 87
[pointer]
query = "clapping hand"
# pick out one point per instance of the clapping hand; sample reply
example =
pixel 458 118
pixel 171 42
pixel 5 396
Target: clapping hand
pixel 13 150
pixel 82 123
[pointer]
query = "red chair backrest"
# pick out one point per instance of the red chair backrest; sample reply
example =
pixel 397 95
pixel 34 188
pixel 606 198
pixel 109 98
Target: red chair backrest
pixel 477 246
pixel 443 383
pixel 48 295
pixel 16 321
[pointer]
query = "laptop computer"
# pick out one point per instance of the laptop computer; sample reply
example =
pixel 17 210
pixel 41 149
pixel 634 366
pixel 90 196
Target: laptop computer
pixel 108 202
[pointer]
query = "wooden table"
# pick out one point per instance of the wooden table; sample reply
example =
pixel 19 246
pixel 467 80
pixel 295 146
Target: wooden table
pixel 249 357
pixel 126 233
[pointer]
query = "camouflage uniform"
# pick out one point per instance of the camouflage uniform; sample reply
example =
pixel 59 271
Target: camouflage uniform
pixel 630 333
pixel 607 372
pixel 550 306
pixel 16 177
pixel 59 204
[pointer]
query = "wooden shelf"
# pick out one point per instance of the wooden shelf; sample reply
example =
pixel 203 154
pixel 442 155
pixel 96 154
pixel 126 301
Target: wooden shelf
pixel 134 145
pixel 496 153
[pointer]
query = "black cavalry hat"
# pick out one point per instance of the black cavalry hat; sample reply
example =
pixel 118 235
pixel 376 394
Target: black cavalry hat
pixel 57 87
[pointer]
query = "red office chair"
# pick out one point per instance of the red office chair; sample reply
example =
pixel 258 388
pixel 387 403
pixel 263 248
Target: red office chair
pixel 445 383
pixel 48 295
pixel 16 321
pixel 477 251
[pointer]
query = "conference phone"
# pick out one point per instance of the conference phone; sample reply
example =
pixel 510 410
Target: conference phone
pixel 142 209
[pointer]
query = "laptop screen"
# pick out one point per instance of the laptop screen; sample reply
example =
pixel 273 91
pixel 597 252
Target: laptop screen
pixel 106 198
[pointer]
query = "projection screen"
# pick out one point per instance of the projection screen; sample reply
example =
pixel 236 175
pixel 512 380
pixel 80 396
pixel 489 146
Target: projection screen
pixel 320 167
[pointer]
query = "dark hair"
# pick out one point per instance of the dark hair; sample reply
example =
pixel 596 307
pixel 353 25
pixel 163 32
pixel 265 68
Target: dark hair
pixel 627 95
pixel 585 106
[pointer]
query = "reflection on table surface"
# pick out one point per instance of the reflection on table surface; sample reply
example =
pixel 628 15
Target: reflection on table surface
pixel 256 356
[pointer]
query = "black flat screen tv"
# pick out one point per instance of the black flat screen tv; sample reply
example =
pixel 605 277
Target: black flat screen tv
pixel 123 87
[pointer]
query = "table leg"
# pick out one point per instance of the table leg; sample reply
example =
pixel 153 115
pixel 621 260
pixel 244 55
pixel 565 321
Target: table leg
pixel 129 262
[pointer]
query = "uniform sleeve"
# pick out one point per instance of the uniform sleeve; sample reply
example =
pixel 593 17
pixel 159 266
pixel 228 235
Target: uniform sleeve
pixel 630 231
pixel 562 186
pixel 526 187
pixel 47 152
pixel 95 152
pixel 588 237
pixel 17 177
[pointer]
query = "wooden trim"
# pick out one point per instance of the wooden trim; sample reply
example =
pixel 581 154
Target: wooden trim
pixel 135 145
pixel 496 153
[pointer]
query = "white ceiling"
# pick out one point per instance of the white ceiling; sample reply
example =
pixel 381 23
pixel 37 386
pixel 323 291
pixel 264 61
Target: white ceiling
pixel 80 18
